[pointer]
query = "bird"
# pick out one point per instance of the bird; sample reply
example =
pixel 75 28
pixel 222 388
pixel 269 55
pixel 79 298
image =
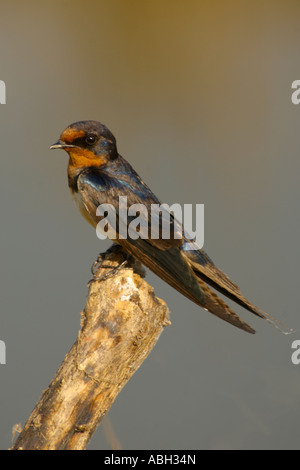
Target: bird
pixel 98 174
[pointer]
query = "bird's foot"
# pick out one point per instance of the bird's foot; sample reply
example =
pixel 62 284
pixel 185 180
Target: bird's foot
pixel 99 263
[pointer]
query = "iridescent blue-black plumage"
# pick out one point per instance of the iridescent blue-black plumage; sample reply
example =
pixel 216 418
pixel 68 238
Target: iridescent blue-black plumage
pixel 98 174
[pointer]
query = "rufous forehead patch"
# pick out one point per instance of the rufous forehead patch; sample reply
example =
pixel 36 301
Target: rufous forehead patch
pixel 70 134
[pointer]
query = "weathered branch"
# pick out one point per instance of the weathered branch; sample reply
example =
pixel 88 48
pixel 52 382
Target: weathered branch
pixel 120 325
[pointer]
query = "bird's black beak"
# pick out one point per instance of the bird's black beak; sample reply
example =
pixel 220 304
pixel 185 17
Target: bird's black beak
pixel 60 144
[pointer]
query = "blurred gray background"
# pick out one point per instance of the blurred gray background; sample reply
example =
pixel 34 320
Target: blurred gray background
pixel 198 95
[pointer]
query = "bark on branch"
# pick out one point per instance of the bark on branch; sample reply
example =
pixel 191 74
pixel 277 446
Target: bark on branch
pixel 120 325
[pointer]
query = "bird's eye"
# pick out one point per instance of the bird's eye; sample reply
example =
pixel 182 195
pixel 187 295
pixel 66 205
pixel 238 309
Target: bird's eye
pixel 90 139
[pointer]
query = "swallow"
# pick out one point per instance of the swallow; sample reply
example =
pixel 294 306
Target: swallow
pixel 98 174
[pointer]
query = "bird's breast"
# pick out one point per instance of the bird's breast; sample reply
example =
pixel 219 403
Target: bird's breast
pixel 82 208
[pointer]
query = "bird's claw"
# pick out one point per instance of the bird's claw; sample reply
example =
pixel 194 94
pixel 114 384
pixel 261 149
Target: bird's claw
pixel 113 269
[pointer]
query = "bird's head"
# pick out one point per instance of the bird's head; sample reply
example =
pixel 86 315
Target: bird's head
pixel 88 143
